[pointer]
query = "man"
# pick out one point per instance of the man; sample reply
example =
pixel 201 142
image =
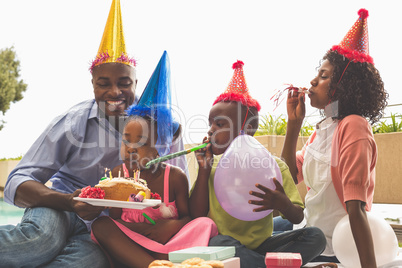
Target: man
pixel 72 152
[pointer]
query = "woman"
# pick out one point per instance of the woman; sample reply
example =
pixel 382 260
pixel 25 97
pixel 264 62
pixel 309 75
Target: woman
pixel 337 162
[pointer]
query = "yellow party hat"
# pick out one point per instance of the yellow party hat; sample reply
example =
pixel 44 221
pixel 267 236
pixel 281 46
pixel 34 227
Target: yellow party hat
pixel 113 47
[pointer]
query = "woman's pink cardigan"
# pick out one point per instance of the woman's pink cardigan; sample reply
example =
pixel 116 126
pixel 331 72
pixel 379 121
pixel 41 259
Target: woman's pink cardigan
pixel 353 160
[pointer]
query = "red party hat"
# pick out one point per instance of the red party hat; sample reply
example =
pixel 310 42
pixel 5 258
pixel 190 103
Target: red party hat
pixel 354 45
pixel 237 89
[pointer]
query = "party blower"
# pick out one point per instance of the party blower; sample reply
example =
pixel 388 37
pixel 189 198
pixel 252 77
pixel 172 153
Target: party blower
pixel 174 155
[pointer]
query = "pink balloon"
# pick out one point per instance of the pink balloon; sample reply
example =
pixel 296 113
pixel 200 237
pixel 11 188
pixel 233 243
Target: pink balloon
pixel 245 163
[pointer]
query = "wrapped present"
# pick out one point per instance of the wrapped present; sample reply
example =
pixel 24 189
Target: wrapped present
pixel 205 253
pixel 283 259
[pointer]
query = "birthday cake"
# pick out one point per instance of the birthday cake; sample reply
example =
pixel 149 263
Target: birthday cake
pixel 121 188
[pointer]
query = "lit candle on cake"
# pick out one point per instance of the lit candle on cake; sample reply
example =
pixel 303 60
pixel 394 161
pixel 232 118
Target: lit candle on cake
pixel 125 172
pixel 136 174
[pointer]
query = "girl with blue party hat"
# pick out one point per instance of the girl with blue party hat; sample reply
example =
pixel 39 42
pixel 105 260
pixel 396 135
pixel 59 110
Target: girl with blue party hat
pixel 135 237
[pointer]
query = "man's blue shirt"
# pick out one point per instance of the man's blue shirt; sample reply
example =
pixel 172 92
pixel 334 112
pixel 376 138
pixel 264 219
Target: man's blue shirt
pixel 72 152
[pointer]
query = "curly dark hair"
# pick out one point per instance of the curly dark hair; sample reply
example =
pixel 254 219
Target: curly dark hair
pixel 361 90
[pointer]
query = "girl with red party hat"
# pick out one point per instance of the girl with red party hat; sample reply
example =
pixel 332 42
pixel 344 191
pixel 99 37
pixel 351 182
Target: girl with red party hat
pixel 338 161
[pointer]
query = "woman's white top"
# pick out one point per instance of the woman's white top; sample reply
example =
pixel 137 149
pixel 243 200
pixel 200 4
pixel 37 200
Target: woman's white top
pixel 323 207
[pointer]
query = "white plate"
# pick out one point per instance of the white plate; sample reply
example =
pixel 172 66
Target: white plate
pixel 119 204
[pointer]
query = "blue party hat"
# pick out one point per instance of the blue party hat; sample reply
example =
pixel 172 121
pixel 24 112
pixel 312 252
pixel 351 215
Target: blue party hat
pixel 155 102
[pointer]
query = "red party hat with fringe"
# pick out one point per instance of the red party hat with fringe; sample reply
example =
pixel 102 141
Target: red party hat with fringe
pixel 355 44
pixel 237 89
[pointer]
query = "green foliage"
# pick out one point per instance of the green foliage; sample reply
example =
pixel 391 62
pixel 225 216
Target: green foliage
pixel 307 129
pixel 12 158
pixel 394 126
pixel 271 125
pixel 11 87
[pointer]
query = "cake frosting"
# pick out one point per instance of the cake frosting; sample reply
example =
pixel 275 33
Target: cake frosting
pixel 92 192
pixel 138 183
pixel 122 188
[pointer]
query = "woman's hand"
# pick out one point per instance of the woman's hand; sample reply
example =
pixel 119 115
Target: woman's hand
pixel 204 156
pixel 296 108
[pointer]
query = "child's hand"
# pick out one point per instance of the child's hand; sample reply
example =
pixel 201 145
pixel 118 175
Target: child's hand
pixel 270 199
pixel 204 156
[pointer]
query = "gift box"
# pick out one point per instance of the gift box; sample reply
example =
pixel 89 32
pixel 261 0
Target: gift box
pixel 283 259
pixel 231 263
pixel 205 253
